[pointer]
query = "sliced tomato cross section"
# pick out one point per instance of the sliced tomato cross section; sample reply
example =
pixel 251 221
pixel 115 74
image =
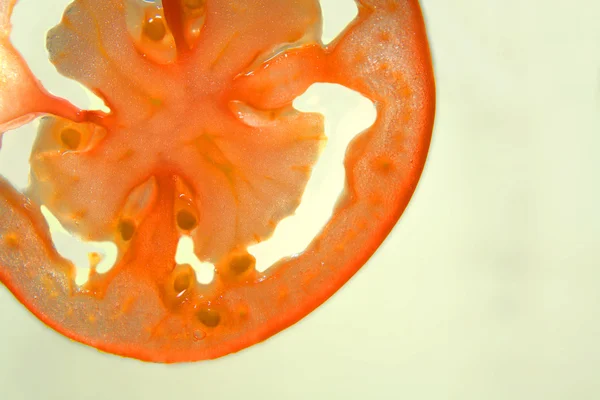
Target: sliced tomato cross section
pixel 203 140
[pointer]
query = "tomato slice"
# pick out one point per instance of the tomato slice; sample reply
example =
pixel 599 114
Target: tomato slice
pixel 202 140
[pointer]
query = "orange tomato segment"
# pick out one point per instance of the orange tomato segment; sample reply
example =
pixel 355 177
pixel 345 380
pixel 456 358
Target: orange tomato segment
pixel 202 140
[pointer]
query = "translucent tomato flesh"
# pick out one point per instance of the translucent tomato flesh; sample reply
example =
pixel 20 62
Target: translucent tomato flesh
pixel 202 140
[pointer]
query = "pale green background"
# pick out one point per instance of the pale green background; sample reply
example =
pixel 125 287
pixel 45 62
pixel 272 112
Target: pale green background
pixel 488 287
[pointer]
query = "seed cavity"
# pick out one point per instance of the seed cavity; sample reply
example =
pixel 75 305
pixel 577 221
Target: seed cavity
pixel 193 18
pixel 70 138
pixel 149 30
pixel 239 264
pixel 154 29
pixel 126 229
pixel 182 282
pixel 209 318
pixel 186 220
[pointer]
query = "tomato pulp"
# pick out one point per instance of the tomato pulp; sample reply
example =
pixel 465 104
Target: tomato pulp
pixel 202 140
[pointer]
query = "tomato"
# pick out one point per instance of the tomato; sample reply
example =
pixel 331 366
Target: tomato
pixel 202 140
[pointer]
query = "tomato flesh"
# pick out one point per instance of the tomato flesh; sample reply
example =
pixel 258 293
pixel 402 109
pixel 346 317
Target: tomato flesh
pixel 202 140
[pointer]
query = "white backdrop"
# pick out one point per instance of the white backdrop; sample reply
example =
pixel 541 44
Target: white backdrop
pixel 487 288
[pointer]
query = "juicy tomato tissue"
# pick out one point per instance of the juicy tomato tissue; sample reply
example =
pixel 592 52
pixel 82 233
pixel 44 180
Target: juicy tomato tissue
pixel 202 140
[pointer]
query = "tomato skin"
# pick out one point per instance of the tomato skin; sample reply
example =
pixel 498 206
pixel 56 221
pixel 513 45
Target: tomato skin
pixel 134 310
